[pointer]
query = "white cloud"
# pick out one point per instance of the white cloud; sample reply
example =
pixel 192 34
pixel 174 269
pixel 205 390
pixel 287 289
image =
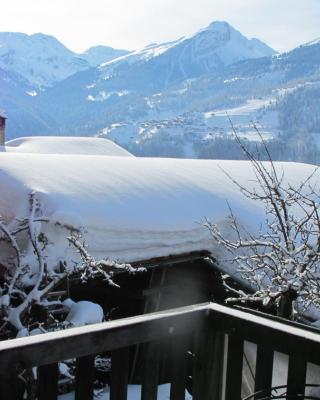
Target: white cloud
pixel 133 23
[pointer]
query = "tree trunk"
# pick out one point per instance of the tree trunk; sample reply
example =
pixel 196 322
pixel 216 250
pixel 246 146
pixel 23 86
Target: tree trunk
pixel 285 307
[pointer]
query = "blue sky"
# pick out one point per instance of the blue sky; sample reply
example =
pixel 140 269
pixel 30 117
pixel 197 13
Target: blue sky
pixel 131 24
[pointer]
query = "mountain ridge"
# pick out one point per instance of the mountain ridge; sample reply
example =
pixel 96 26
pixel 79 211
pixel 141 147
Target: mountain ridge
pixel 48 60
pixel 171 99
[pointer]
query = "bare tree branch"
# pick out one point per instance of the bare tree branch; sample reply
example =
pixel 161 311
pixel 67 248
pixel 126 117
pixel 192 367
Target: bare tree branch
pixel 285 258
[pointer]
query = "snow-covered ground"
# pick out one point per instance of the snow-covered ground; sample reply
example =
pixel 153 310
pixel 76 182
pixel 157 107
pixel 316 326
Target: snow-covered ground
pixel 257 111
pixel 246 109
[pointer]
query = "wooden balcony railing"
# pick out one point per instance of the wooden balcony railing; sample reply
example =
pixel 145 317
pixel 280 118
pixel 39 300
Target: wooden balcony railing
pixel 217 361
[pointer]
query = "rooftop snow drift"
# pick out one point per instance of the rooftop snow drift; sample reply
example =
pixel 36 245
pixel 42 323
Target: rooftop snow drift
pixel 65 145
pixel 132 208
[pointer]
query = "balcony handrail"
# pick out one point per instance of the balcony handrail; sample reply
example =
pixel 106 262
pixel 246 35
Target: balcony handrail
pixel 208 318
pixel 22 350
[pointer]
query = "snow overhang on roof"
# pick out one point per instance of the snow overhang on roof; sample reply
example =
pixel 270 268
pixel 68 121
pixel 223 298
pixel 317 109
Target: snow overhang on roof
pixel 131 208
pixel 66 145
pixel 3 114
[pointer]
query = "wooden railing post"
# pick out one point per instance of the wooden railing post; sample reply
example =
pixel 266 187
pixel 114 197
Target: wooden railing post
pixel 264 366
pixel 150 377
pixel 179 368
pixel 209 322
pixel 234 367
pixel 208 363
pixel 119 374
pixel 297 372
pixel 48 382
pixel 84 378
pixel 9 387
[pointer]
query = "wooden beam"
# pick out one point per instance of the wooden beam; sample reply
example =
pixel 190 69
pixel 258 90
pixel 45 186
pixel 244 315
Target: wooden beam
pixel 119 374
pixel 297 372
pixel 150 376
pixel 172 259
pixel 288 338
pixel 9 387
pixel 60 293
pixel 234 367
pixel 84 378
pixel 92 339
pixel 48 382
pixel 179 368
pixel 158 262
pixel 264 366
pixel 208 363
pixel 77 342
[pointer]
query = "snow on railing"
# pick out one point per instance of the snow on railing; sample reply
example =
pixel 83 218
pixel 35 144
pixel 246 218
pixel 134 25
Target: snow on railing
pixel 212 333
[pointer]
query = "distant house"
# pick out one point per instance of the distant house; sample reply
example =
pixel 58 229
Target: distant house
pixel 2 127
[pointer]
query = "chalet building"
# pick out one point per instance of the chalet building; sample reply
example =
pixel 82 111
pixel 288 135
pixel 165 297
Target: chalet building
pixel 2 127
pixel 148 213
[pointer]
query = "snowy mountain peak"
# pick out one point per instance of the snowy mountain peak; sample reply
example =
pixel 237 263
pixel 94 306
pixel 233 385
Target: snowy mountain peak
pixel 47 60
pixel 218 26
pixel 101 54
pixel 213 47
pixel 220 33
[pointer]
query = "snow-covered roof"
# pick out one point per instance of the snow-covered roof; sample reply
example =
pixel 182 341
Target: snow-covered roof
pixel 132 208
pixel 2 114
pixel 65 145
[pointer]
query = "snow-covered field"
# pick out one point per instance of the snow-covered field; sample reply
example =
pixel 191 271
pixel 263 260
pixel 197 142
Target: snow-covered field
pixel 246 109
pixel 257 111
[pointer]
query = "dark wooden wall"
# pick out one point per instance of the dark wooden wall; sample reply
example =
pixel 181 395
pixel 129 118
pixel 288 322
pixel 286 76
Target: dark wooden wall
pixel 159 288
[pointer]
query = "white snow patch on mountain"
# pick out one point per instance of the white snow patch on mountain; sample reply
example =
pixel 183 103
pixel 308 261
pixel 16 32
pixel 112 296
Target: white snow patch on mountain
pixel 144 54
pixel 103 95
pixel 250 106
pixel 253 111
pixel 32 93
pixel 100 54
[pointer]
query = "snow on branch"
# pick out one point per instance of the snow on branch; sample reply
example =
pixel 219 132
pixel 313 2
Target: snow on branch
pixel 281 263
pixel 27 279
pixel 91 267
